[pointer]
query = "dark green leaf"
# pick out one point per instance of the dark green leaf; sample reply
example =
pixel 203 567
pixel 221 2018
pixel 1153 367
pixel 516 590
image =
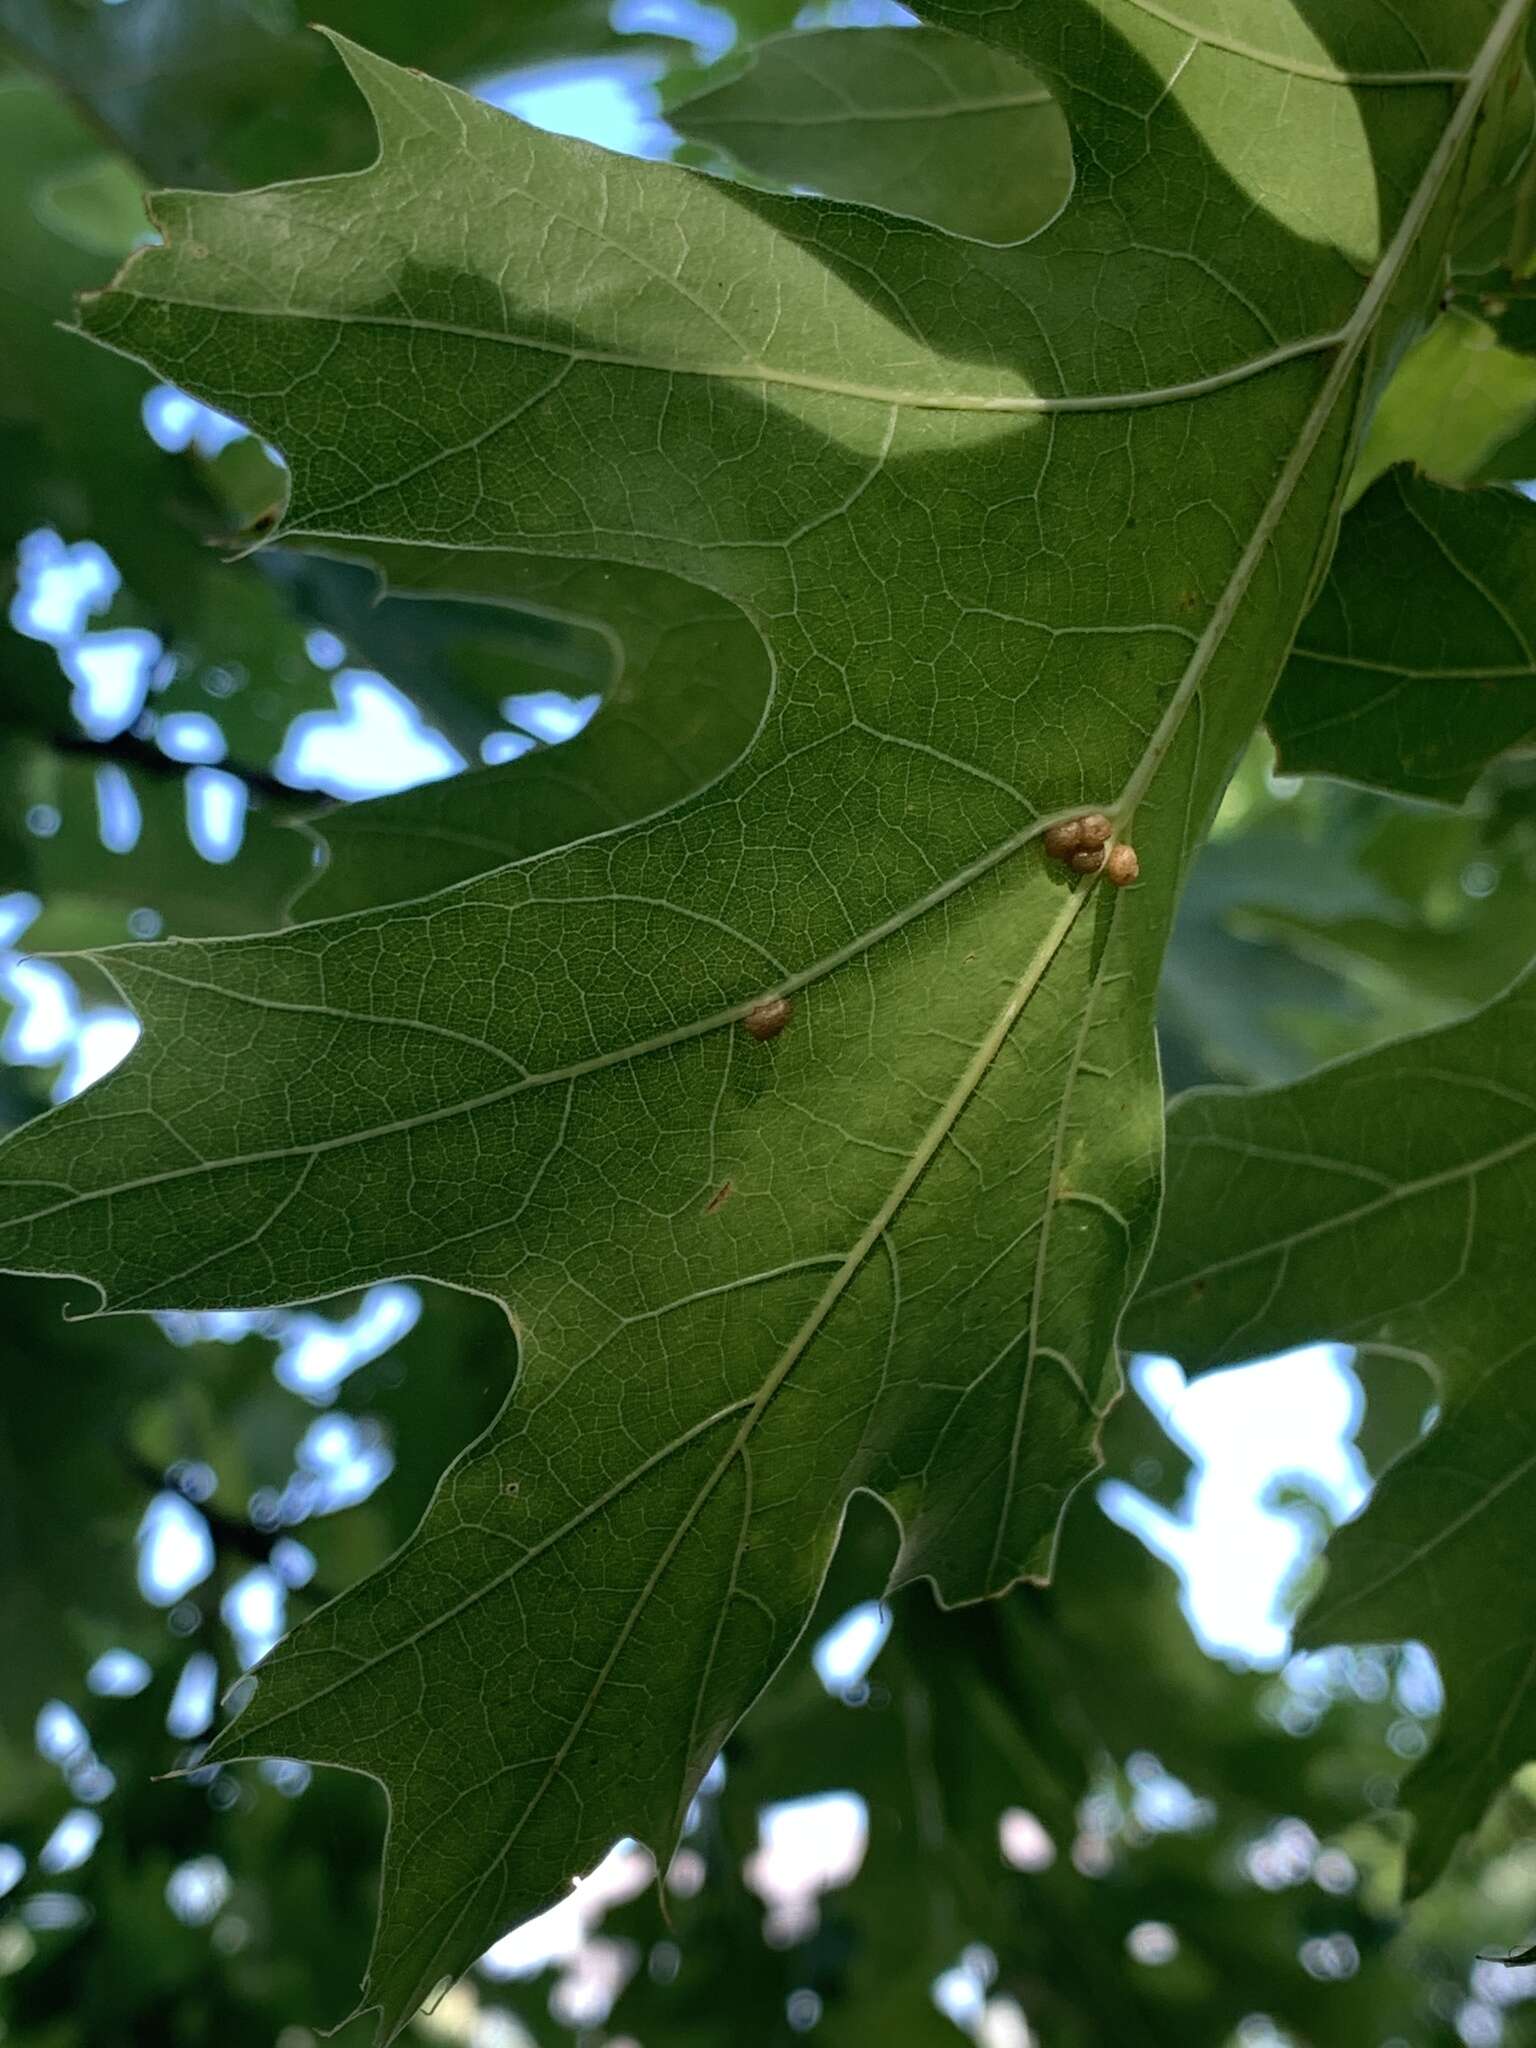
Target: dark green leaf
pixel 90 891
pixel 73 448
pixel 1417 664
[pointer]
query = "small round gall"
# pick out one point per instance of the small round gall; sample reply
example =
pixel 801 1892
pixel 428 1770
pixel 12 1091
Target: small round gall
pixel 1062 841
pixel 767 1019
pixel 1122 866
pixel 1087 860
pixel 1095 830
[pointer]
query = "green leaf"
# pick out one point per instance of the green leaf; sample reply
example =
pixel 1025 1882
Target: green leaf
pixel 986 512
pixel 459 661
pixel 1321 920
pixel 1363 1203
pixel 1454 923
pixel 1239 1001
pixel 899 119
pixel 64 1571
pixel 73 449
pixel 89 890
pixel 1417 664
pixel 229 93
pixel 687 687
pixel 300 1897
pixel 98 205
pixel 71 1498
pixel 1434 1558
pixel 1386 1201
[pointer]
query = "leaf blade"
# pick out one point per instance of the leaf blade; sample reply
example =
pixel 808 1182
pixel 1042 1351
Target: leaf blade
pixel 971 1034
pixel 1382 1201
pixel 871 115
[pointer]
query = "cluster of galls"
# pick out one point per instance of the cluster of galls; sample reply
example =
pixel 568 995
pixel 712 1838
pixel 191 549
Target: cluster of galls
pixel 1081 843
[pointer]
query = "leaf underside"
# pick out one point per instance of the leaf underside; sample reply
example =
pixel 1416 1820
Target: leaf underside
pixel 1386 1201
pixel 688 681
pixel 896 118
pixel 1417 665
pixel 1017 531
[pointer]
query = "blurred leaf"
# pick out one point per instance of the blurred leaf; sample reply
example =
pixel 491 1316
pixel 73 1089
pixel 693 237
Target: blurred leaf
pixel 1012 1723
pixel 1136 1448
pixel 803 448
pixel 1238 1000
pixel 1321 920
pixel 98 205
pixel 1386 1200
pixel 286 1941
pixel 1441 1556
pixel 90 891
pixel 1399 1404
pixel 458 660
pixel 1459 922
pixel 228 93
pixel 686 687
pixel 237 655
pixel 71 1498
pixel 73 449
pixel 1496 224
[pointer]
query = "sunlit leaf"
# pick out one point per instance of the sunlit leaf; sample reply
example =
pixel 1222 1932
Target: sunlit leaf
pixel 895 118
pixel 1457 402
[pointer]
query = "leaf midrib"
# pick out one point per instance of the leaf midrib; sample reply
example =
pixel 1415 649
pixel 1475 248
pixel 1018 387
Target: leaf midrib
pixel 1404 671
pixel 831 1295
pixel 998 103
pixel 746 371
pixel 851 1262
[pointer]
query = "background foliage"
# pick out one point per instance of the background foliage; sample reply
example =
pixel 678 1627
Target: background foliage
pixel 1059 1818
